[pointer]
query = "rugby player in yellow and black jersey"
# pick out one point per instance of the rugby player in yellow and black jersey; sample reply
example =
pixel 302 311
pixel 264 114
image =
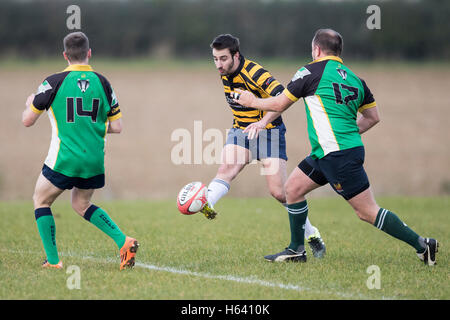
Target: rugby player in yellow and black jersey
pixel 255 134
pixel 252 77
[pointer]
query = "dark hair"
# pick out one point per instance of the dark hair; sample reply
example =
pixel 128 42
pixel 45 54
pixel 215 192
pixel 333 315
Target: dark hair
pixel 76 46
pixel 224 41
pixel 329 41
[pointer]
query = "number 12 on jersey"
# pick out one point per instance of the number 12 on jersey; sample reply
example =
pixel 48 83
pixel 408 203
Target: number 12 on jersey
pixel 80 111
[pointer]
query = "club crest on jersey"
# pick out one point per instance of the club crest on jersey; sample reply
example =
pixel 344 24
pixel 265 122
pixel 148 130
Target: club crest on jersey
pixel 269 81
pixel 43 87
pixel 342 73
pixel 300 74
pixel 83 85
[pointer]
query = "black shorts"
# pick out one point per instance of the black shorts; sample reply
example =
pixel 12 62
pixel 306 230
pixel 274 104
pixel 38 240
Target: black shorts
pixel 343 170
pixel 64 182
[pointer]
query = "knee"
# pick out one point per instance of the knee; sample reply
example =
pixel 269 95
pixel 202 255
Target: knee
pixel 293 192
pixel 39 202
pixel 227 172
pixel 366 216
pixel 361 215
pixel 35 201
pixel 79 207
pixel 279 195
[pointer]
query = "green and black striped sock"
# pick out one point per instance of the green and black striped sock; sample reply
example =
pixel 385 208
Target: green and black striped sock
pixel 298 212
pixel 392 225
pixel 98 217
pixel 47 232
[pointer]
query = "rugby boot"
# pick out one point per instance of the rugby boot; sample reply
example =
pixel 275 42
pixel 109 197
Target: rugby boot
pixel 46 264
pixel 128 253
pixel 209 212
pixel 429 255
pixel 288 255
pixel 316 244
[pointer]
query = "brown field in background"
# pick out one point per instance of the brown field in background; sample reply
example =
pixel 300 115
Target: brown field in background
pixel 407 153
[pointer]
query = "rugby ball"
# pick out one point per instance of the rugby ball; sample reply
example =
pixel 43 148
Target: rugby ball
pixel 192 198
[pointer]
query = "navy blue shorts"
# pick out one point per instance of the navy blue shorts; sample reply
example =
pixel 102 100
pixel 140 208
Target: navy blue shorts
pixel 64 182
pixel 343 170
pixel 271 143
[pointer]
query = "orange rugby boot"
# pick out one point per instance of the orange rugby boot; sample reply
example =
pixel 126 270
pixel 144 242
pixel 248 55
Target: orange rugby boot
pixel 46 264
pixel 128 252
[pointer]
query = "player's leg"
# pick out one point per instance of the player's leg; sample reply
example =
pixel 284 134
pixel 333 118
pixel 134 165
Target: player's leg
pixel 367 210
pixel 299 183
pixel 345 173
pixel 274 170
pixel 271 150
pixel 234 159
pixel 297 187
pixel 45 194
pixel 81 203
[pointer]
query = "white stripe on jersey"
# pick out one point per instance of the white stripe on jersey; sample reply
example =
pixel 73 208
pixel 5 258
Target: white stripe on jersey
pixel 52 155
pixel 322 125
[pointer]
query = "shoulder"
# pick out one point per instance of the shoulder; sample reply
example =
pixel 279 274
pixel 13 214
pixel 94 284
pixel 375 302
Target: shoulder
pixel 250 65
pixel 313 68
pixel 102 78
pixel 105 83
pixel 305 80
pixel 109 91
pixel 253 69
pixel 57 77
pixel 51 83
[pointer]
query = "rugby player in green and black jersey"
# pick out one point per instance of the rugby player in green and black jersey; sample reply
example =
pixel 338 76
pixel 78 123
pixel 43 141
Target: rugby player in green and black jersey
pixel 333 96
pixel 82 108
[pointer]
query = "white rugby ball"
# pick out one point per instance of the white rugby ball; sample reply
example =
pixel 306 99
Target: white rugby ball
pixel 192 198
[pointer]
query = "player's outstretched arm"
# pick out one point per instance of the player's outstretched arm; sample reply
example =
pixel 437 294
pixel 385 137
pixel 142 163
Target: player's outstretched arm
pixel 253 129
pixel 29 116
pixel 115 126
pixel 369 118
pixel 278 103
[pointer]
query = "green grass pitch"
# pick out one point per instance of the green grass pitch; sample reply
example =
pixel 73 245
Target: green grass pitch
pixel 190 257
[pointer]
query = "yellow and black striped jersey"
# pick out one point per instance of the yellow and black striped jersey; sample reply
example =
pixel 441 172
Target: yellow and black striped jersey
pixel 254 78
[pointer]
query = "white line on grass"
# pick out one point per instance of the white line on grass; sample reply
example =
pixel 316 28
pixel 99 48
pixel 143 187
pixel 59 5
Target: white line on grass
pixel 253 280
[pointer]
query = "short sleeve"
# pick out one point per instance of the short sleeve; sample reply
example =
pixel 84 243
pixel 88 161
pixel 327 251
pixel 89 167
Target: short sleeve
pixel 368 100
pixel 44 96
pixel 296 88
pixel 114 112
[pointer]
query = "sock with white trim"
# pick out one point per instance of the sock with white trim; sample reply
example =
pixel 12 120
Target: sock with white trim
pixel 309 228
pixel 216 190
pixel 298 212
pixel 392 225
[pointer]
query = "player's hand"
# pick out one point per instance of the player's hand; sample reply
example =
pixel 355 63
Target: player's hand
pixel 244 98
pixel 29 100
pixel 253 129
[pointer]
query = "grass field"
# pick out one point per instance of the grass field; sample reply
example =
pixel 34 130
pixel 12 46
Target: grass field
pixel 190 257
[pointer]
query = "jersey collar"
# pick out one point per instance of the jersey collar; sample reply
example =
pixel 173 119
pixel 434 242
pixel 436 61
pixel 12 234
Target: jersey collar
pixel 79 67
pixel 335 58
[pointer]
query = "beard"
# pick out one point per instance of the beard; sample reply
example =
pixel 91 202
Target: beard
pixel 227 72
